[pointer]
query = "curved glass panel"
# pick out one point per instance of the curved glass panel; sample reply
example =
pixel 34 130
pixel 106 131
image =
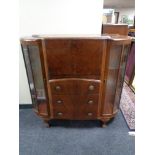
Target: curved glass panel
pixel 112 75
pixel 121 77
pixel 29 74
pixel 38 78
pixel 35 78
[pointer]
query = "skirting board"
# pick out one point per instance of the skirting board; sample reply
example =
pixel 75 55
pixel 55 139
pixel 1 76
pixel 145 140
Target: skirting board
pixel 25 106
pixel 131 133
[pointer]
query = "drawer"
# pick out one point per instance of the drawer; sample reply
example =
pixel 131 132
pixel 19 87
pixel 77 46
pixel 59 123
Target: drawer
pixel 87 101
pixel 63 87
pixel 87 107
pixel 74 86
pixel 62 114
pixel 87 115
pixel 75 106
pixel 88 87
pixel 63 107
pixel 64 101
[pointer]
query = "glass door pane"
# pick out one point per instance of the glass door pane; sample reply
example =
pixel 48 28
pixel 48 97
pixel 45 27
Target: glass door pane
pixel 30 78
pixel 34 56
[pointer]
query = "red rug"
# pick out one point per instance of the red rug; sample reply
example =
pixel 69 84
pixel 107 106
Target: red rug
pixel 127 105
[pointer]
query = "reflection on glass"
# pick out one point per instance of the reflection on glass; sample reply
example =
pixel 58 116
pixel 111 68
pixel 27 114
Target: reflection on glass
pixel 29 74
pixel 115 55
pixel 38 78
pixel 111 84
pixel 121 77
pixel 34 67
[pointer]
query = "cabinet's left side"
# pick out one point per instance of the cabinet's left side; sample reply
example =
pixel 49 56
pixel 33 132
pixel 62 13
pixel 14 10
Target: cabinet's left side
pixel 33 58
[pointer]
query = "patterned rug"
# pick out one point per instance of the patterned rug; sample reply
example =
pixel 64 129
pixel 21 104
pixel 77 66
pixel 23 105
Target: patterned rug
pixel 127 105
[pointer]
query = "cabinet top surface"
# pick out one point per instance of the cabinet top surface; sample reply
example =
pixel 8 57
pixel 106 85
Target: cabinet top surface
pixel 97 36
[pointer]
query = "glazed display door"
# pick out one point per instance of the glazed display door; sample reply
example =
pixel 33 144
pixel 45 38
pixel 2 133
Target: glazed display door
pixel 33 65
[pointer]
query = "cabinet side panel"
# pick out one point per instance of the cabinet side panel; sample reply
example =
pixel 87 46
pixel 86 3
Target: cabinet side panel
pixel 111 73
pixel 121 77
pixel 41 97
pixel 29 75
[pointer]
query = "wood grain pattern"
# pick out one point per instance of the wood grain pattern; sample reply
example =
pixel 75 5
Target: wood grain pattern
pixel 74 86
pixel 120 29
pixel 75 55
pixel 83 76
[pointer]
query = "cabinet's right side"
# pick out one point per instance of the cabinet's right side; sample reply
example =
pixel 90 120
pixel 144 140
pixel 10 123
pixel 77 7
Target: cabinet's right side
pixel 116 58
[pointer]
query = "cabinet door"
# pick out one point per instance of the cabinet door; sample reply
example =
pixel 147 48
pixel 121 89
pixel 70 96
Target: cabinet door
pixel 74 57
pixel 115 70
pixel 59 58
pixel 121 76
pixel 112 71
pixel 35 77
pixel 30 77
pixel 87 55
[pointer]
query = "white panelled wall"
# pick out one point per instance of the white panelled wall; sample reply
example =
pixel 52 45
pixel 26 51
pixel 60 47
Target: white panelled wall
pixel 56 17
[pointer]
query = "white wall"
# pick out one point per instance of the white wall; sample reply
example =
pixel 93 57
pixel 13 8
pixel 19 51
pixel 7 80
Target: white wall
pixel 24 94
pixel 125 11
pixel 56 17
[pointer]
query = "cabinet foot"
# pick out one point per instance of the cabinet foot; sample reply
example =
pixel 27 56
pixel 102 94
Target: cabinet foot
pixel 104 125
pixel 104 122
pixel 47 123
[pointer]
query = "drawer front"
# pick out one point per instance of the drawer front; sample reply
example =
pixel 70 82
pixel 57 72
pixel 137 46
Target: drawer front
pixel 63 106
pixel 88 87
pixel 75 106
pixel 87 107
pixel 62 114
pixel 63 87
pixel 74 86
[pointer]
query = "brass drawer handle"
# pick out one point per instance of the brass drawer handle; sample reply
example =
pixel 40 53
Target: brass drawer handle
pixel 90 114
pixel 90 102
pixel 57 88
pixel 91 87
pixel 59 113
pixel 59 101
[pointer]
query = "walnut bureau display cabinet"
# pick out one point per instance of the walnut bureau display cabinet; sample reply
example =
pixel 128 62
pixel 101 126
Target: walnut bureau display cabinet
pixel 75 77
